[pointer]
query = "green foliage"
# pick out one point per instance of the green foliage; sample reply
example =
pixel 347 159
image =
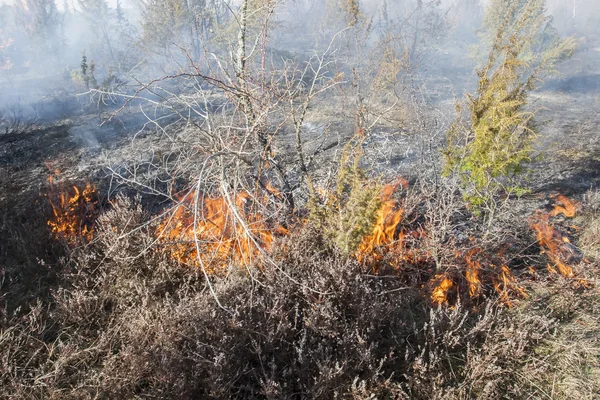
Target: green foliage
pixel 348 212
pixel 540 41
pixel 493 136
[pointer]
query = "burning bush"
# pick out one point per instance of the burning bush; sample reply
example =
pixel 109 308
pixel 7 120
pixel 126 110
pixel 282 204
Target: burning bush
pixel 323 323
pixel 213 233
pixel 394 243
pixel 318 327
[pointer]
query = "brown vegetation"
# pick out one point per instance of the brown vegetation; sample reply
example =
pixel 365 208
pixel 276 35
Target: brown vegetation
pixel 231 249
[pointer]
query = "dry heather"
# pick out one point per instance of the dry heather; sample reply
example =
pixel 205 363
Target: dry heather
pixel 124 321
pixel 590 235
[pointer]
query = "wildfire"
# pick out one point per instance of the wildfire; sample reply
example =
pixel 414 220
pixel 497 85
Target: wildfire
pixel 564 206
pixel 386 237
pixel 389 217
pixel 387 241
pixel 217 233
pixel 506 284
pixel 552 243
pixel 73 212
pixel 439 295
pixel 472 274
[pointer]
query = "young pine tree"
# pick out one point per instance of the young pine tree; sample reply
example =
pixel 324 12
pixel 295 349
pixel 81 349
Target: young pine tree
pixel 493 136
pixel 347 212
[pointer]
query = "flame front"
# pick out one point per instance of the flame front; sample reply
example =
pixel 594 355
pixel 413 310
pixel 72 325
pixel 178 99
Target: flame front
pixel 472 274
pixel 403 248
pixel 215 233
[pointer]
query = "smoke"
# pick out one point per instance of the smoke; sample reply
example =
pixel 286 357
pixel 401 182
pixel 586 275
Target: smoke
pixel 43 42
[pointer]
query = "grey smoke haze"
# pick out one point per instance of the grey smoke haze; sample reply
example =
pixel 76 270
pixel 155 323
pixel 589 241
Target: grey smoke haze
pixel 35 64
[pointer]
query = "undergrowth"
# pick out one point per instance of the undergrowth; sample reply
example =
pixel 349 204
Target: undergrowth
pixel 127 322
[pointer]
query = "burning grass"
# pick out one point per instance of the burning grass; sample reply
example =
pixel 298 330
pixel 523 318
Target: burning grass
pixel 213 232
pixel 74 211
pixel 401 245
pixel 555 245
pixel 153 328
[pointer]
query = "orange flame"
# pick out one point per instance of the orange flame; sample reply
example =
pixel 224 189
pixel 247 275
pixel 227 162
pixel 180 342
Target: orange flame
pixel 384 232
pixel 73 212
pixel 472 274
pixel 406 248
pixel 506 284
pixel 551 242
pixel 564 206
pixel 213 235
pixel 215 231
pixel 439 295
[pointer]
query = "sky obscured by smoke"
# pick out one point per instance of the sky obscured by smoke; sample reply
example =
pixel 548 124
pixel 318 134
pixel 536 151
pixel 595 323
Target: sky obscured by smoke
pixel 127 44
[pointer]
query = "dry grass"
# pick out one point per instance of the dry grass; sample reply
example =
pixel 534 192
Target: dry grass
pixel 126 321
pixel 590 234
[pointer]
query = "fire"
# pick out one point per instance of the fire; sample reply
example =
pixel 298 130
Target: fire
pixel 389 217
pixel 564 206
pixel 554 244
pixel 404 249
pixel 472 274
pixel 73 211
pixel 216 232
pixel 550 239
pixel 385 236
pixel 439 295
pixel 506 284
